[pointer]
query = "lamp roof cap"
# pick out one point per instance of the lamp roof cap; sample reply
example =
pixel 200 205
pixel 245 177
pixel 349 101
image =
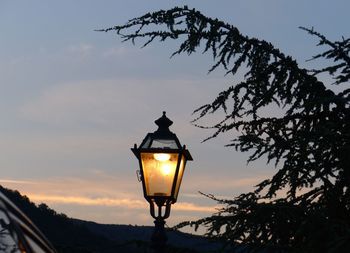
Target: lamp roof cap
pixel 163 122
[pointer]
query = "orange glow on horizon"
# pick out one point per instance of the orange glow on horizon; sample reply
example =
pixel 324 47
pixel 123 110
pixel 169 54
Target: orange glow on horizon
pixel 125 203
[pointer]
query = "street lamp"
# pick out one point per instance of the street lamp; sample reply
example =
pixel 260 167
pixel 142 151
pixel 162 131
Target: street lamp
pixel 162 162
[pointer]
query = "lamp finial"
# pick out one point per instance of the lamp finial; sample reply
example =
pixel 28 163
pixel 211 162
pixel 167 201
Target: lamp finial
pixel 163 122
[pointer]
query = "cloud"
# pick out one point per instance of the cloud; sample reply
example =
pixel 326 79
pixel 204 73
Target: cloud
pixel 71 103
pixel 120 51
pixel 82 49
pixel 190 207
pixel 117 197
pixel 208 184
pixel 98 189
pixel 99 102
pixel 113 202
pixel 91 195
pixel 11 181
pixel 111 100
pixel 78 200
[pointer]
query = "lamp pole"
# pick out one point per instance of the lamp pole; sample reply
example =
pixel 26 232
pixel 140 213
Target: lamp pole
pixel 159 237
pixel 162 162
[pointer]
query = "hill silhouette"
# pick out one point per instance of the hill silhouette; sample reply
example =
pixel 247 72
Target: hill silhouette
pixel 73 235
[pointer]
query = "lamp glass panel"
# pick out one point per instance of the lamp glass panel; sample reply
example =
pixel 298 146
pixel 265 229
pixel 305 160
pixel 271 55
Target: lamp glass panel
pixel 179 177
pixel 162 143
pixel 147 142
pixel 159 172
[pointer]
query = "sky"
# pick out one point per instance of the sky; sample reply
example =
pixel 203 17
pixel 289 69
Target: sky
pixel 73 101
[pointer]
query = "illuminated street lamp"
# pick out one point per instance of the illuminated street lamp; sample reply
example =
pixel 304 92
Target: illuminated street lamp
pixel 162 162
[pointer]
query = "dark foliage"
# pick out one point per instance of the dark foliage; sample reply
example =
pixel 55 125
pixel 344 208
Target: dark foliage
pixel 63 232
pixel 308 140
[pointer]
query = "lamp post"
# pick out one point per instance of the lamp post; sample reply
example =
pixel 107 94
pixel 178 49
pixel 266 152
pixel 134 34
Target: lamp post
pixel 162 162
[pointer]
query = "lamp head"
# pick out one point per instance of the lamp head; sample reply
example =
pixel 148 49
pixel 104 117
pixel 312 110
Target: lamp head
pixel 162 162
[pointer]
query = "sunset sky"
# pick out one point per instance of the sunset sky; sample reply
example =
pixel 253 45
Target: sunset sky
pixel 73 101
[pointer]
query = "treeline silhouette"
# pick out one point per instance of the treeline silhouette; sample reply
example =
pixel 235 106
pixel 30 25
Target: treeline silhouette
pixel 70 235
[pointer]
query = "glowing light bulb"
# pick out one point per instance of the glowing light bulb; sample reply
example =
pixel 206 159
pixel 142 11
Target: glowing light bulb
pixel 162 157
pixel 166 169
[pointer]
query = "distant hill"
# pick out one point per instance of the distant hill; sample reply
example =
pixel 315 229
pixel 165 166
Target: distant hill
pixel 73 235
